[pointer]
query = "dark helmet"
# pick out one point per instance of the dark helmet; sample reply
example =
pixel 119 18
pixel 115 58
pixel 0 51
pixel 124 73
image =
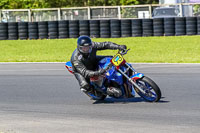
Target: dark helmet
pixel 84 45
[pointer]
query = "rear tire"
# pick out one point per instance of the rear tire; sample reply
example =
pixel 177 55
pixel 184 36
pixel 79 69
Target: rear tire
pixel 152 91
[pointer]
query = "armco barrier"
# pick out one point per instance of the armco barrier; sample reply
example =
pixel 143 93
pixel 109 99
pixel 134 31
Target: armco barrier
pixel 113 28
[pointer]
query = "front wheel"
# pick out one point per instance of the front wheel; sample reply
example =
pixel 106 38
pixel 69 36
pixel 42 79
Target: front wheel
pixel 152 91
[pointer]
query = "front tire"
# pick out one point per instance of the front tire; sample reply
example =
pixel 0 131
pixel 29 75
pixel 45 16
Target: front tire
pixel 152 91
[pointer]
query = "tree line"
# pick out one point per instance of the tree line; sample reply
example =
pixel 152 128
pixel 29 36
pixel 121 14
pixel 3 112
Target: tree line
pixel 27 4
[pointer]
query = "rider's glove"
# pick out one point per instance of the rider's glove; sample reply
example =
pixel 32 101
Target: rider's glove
pixel 101 71
pixel 122 47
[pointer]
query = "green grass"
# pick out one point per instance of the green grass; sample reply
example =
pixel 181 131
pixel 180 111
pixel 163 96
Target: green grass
pixel 183 49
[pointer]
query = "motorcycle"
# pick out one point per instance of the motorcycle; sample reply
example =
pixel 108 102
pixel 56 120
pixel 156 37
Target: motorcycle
pixel 121 80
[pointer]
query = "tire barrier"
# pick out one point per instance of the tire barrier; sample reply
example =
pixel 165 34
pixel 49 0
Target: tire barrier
pixel 198 25
pixel 94 28
pixel 23 30
pixel 105 28
pixel 115 27
pixel 126 28
pixel 3 31
pixel 136 27
pixel 12 31
pixel 169 26
pixel 33 30
pixel 84 28
pixel 43 30
pixel 73 28
pixel 53 29
pixel 158 27
pixel 63 29
pixel 180 27
pixel 191 25
pixel 147 27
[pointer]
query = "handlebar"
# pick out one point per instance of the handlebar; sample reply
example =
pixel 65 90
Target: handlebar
pixel 123 52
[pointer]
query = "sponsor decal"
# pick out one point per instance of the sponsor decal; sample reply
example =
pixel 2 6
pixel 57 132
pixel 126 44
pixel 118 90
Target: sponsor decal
pixel 80 57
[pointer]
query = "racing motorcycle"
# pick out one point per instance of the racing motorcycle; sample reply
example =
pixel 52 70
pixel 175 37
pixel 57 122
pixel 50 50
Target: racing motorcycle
pixel 121 80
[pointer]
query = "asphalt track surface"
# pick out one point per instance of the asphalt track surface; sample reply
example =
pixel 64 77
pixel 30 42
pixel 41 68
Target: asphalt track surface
pixel 45 98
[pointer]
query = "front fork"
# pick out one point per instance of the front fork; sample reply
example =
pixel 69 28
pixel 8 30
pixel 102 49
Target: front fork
pixel 136 76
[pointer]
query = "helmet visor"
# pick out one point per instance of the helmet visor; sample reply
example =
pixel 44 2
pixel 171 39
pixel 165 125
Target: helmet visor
pixel 85 49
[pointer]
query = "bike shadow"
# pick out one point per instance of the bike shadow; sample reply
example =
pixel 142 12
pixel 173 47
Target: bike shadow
pixel 111 100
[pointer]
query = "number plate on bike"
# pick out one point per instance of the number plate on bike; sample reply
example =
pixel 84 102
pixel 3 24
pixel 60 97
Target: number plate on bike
pixel 117 60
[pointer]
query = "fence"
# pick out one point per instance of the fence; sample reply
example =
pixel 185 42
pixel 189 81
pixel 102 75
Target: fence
pixel 113 28
pixel 92 13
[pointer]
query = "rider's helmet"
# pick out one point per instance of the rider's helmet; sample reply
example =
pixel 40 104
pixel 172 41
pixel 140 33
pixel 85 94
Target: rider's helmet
pixel 84 45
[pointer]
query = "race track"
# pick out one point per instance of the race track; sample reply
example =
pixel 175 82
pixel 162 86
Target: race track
pixel 45 98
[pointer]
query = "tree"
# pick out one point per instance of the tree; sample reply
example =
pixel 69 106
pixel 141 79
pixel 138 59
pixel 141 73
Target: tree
pixel 25 4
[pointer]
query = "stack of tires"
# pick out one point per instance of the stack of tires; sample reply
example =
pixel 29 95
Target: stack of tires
pixel 147 27
pixel 169 26
pixel 94 29
pixel 198 25
pixel 126 28
pixel 23 30
pixel 63 29
pixel 33 30
pixel 191 25
pixel 158 27
pixel 180 28
pixel 105 28
pixel 84 28
pixel 73 28
pixel 136 25
pixel 53 29
pixel 13 31
pixel 115 27
pixel 43 30
pixel 3 31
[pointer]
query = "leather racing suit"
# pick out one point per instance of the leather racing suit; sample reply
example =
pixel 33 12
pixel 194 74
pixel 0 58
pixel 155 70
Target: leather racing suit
pixel 85 67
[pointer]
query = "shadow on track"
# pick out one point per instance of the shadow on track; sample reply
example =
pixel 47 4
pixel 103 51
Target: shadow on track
pixel 125 101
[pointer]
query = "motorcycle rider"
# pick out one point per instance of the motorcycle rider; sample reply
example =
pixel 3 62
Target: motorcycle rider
pixel 85 62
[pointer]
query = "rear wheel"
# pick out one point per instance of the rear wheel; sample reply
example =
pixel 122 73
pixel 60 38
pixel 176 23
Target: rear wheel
pixel 151 92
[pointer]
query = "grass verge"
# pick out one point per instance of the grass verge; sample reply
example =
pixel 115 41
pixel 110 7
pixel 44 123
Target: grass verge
pixel 182 49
